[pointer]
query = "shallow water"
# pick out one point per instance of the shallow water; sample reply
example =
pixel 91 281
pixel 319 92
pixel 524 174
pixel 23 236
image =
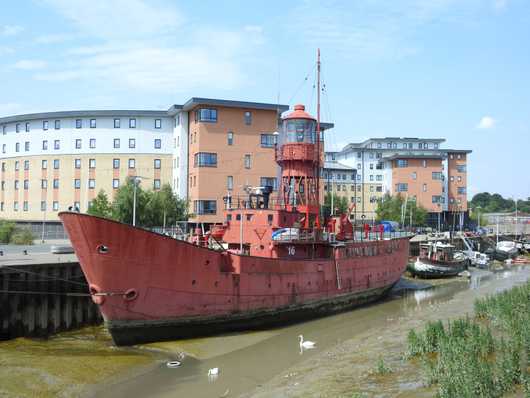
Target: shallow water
pixel 248 360
pixel 69 363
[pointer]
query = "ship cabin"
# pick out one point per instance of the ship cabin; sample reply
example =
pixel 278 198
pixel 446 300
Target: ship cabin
pixel 258 225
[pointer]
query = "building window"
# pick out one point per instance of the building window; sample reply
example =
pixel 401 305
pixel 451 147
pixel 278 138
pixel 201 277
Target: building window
pixel 230 138
pixel 4 130
pixel 55 183
pixel 230 182
pixel 3 148
pixel 461 190
pixel 132 163
pixel 156 184
pixel 43 205
pixel 115 183
pixel 77 206
pixel 17 147
pixel 402 187
pixel 92 163
pixel 16 185
pixel 77 163
pixel 27 127
pixel 117 123
pixel 437 175
pixel 25 205
pixel 132 143
pixel 205 159
pixel 57 125
pixel 132 123
pixel 56 164
pixel 26 185
pixel 116 143
pixel 379 177
pixel 158 143
pixel 57 144
pixel 26 146
pixel 17 127
pixel 461 168
pixel 205 207
pixel 91 183
pixel 44 184
pixel 267 140
pixel 16 165
pixel 379 188
pixel 26 164
pixel 44 164
pixel 78 123
pixel 247 162
pixel 77 183
pixel 371 177
pixel 269 182
pixel 402 163
pixel 55 206
pixel 248 118
pixel 45 145
pixel 158 123
pixel 15 206
pixel 206 115
pixel 92 123
pixel 115 163
pixel 45 125
pixel 157 163
pixel 92 143
pixel 437 199
pixel 78 143
pixel 435 145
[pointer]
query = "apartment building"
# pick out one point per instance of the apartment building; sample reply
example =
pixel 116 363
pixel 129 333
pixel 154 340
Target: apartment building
pixel 420 169
pixel 51 161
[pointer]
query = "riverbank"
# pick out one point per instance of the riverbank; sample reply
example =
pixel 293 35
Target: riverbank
pixel 66 364
pixel 350 369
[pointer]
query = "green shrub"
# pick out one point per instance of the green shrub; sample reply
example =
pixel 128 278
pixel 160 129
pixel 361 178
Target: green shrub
pixel 6 230
pixel 22 236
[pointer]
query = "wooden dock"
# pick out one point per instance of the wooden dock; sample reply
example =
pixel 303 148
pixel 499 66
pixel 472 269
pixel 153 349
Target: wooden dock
pixel 42 294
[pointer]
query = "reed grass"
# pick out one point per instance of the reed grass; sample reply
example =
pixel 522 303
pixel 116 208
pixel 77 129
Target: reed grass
pixel 485 356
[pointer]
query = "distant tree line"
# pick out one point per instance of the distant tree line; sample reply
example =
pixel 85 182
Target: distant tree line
pixel 10 233
pixel 495 203
pixel 153 208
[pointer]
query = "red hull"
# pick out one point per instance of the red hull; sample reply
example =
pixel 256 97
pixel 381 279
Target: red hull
pixel 152 287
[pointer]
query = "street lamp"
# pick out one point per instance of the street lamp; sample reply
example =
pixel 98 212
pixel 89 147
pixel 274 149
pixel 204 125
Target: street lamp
pixel 478 216
pixel 135 179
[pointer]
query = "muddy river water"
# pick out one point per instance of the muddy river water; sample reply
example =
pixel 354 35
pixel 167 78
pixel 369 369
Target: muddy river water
pixel 271 363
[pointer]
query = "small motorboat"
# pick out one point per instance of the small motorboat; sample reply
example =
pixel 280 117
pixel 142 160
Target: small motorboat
pixel 505 250
pixel 438 260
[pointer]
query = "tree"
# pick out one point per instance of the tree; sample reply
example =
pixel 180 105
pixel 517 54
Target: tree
pixel 122 207
pixel 495 203
pixel 340 203
pixel 391 208
pixel 101 206
pixel 153 208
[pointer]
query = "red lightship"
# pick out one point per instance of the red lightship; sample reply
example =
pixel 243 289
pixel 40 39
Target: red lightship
pixel 269 263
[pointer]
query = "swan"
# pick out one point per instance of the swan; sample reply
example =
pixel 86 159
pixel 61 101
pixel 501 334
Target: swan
pixel 213 372
pixel 306 344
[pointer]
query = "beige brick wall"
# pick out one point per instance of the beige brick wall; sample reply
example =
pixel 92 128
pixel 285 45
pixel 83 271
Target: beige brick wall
pixel 66 194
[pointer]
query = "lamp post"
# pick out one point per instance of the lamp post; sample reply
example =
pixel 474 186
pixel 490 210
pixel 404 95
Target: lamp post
pixel 478 216
pixel 439 212
pixel 135 179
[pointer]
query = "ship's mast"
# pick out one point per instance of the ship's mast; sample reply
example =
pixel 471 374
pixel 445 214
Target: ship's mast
pixel 317 223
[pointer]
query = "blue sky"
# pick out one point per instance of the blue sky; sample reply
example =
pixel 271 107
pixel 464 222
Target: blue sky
pixel 456 69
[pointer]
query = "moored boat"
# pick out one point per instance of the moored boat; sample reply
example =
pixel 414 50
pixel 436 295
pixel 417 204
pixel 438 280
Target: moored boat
pixel 438 260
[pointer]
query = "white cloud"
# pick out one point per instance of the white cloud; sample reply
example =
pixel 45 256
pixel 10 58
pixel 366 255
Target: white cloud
pixel 487 122
pixel 30 64
pixel 10 30
pixel 6 50
pixel 137 47
pixel 500 4
pixel 368 28
pixel 118 18
pixel 54 38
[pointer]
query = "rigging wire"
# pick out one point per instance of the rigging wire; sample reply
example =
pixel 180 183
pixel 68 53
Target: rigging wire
pixel 306 78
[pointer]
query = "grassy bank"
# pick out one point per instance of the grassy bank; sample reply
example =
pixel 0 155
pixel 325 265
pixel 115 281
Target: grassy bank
pixel 485 356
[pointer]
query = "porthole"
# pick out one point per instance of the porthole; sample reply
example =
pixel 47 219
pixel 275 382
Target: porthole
pixel 193 282
pixel 130 295
pixel 102 249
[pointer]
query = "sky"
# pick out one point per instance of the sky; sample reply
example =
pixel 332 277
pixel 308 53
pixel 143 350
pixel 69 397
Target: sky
pixel 453 69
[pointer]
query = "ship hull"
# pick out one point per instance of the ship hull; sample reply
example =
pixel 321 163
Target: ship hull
pixel 144 331
pixel 150 287
pixel 430 270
